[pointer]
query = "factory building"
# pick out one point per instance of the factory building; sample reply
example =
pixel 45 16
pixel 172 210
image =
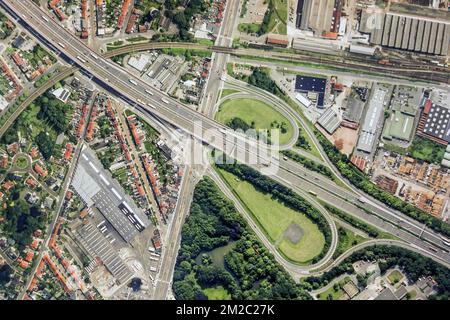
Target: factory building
pixel 368 134
pixel 407 32
pixel 320 16
pixel 434 123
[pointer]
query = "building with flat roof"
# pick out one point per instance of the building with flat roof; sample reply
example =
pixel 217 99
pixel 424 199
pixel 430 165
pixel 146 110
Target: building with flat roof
pixel 95 187
pixel 353 109
pixel 100 248
pixel 140 62
pixel 368 134
pixel 404 108
pixel 312 85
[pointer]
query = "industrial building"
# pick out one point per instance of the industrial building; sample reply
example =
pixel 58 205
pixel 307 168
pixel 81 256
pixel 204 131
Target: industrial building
pixel 407 32
pixel 446 161
pixel 100 248
pixel 404 108
pixel 360 49
pixel 368 134
pixel 353 109
pixel 329 120
pixel 313 87
pixel 320 16
pixel 386 183
pixel 434 123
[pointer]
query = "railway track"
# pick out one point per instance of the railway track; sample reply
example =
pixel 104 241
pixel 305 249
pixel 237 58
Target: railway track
pixel 62 74
pixel 413 71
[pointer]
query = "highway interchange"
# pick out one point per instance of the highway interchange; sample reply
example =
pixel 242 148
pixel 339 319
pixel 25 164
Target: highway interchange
pixel 150 101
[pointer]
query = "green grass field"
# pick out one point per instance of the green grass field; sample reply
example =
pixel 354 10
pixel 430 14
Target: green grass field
pixel 274 218
pixel 251 110
pixel 335 294
pixel 394 277
pixel 346 240
pixel 248 27
pixel 21 162
pixel 280 7
pixel 217 293
pixel 226 92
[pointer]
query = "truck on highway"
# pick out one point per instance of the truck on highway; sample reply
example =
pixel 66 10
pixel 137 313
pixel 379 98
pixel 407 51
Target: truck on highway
pixel 94 55
pixel 149 92
pixel 165 100
pixel 313 193
pixel 45 18
pixel 132 82
pixel 61 45
pixel 81 59
pixel 151 106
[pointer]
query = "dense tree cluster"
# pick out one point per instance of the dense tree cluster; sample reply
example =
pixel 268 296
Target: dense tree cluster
pixel 302 142
pixel 261 79
pixel 283 194
pixel 371 231
pixel 21 221
pixel 183 17
pixel 45 144
pixel 412 263
pixel 250 271
pixel 10 135
pixel 237 123
pixel 54 112
pixel 264 28
pixel 5 274
pixel 363 183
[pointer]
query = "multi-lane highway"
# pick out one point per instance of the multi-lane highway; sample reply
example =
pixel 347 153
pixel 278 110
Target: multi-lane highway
pixel 132 90
pixel 220 59
pixel 382 217
pixel 149 100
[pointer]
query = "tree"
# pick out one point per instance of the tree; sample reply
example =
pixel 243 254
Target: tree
pixel 5 274
pixel 339 144
pixel 45 144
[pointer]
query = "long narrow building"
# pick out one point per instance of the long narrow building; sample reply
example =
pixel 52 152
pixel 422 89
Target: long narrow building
pixel 407 32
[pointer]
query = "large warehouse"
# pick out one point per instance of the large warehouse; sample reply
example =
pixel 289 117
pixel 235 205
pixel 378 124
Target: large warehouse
pixel 320 16
pixel 407 32
pixel 435 123
pixel 368 134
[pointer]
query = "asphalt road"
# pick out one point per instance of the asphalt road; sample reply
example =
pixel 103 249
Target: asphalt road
pixel 382 217
pixel 147 98
pixel 130 88
pixel 219 60
pixel 163 280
